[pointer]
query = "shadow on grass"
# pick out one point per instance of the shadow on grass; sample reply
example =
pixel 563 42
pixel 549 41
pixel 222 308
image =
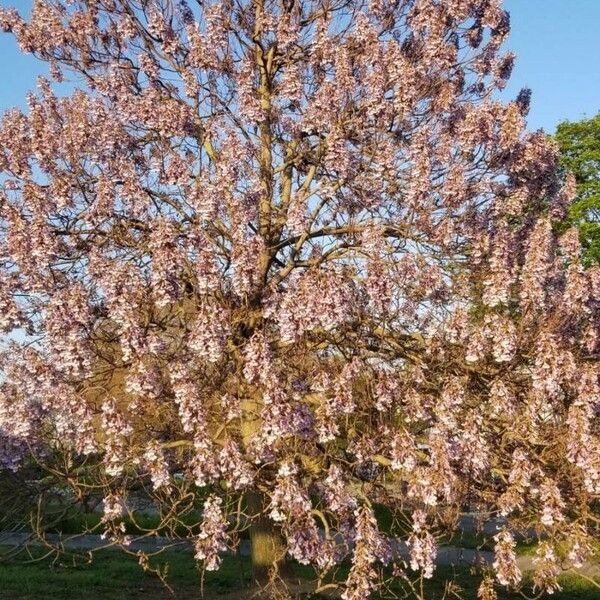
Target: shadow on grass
pixel 114 575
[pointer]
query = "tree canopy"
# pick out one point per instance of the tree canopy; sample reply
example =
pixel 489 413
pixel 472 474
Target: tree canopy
pixel 285 260
pixel 579 144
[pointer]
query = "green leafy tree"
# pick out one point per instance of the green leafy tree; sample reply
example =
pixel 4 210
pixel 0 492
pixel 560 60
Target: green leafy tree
pixel 579 144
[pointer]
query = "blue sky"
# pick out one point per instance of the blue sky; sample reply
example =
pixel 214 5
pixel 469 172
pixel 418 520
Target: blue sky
pixel 558 48
pixel 556 41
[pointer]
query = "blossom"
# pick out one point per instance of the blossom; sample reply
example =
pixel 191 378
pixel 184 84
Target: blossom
pixel 422 553
pixel 537 266
pixel 337 494
pixel 212 539
pixel 300 310
pixel 289 501
pixel 547 569
pixel 235 470
pixel 370 547
pixel 166 258
pixel 505 563
pixel 258 360
pixel 156 464
pixel 552 503
pixel 68 320
pixel 579 546
pixel 486 590
pixel 112 507
pixel 208 334
pixel 403 452
pixel 387 390
pixel 116 428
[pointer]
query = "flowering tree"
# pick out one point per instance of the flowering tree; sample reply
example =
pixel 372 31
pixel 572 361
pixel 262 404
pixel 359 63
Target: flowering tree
pixel 286 259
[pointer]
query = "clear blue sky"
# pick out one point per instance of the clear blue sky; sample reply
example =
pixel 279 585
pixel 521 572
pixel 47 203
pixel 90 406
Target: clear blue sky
pixel 557 43
pixel 558 56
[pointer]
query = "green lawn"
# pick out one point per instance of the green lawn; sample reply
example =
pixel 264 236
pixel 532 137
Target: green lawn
pixel 113 575
pixel 462 584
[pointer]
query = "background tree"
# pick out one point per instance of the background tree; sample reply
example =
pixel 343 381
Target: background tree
pixel 279 261
pixel 579 144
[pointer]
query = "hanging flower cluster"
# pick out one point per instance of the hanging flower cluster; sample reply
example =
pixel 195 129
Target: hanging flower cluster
pixel 212 539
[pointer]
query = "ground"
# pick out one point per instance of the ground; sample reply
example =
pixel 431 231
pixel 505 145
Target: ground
pixel 113 575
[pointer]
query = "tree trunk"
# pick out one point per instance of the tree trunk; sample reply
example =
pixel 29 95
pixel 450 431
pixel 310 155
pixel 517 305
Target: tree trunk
pixel 267 545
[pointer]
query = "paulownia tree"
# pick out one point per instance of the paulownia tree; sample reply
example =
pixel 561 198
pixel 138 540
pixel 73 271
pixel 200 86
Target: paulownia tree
pixel 288 259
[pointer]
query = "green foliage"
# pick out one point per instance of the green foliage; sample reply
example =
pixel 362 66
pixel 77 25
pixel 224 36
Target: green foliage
pixel 579 144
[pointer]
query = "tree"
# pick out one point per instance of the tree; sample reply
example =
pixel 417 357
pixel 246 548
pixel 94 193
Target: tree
pixel 579 144
pixel 287 260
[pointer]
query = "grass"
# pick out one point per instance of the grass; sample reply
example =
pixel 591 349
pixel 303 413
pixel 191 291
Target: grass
pixel 464 585
pixel 110 576
pixel 113 575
